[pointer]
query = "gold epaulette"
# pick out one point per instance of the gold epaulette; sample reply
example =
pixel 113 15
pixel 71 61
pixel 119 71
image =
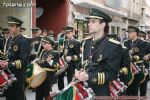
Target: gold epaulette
pixel 114 41
pixel 77 40
pixel 124 47
pixel 125 40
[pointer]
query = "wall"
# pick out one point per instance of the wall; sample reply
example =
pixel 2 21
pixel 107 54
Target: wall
pixel 54 16
pixel 23 13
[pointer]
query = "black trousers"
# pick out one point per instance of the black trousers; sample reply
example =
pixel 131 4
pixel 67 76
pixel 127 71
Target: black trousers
pixel 133 88
pixel 43 90
pixel 15 92
pixel 143 87
pixel 70 73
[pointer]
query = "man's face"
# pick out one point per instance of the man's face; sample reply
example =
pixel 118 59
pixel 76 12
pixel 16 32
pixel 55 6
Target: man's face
pixel 94 25
pixel 149 36
pixel 46 46
pixel 132 34
pixel 36 33
pixel 69 34
pixel 13 28
pixel 6 35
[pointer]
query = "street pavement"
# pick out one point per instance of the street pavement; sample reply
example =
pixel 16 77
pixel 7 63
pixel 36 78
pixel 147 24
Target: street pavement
pixel 31 95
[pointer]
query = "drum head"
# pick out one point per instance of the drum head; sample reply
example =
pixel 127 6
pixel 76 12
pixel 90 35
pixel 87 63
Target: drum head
pixel 38 76
pixel 38 80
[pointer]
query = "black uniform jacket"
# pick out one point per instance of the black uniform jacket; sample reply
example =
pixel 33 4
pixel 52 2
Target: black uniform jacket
pixel 18 53
pixel 105 61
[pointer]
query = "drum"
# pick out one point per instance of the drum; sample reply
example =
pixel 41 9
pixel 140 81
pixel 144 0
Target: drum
pixel 6 79
pixel 117 87
pixel 76 91
pixel 35 75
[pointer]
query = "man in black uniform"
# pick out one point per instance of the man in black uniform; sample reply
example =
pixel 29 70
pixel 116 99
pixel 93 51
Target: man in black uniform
pixel 4 40
pixel 138 50
pixel 48 60
pixel 71 55
pixel 148 40
pixel 125 67
pixel 18 50
pixel 143 86
pixel 35 43
pixel 1 38
pixel 142 35
pixel 103 55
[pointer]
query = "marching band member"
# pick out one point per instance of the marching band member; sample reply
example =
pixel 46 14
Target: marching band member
pixel 138 49
pixel 35 43
pixel 143 86
pixel 71 55
pixel 48 60
pixel 103 55
pixel 18 50
pixel 4 41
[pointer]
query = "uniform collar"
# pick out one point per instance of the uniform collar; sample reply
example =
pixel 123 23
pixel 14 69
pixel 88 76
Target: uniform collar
pixel 99 40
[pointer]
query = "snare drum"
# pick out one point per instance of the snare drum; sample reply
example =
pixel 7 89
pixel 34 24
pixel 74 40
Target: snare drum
pixel 6 79
pixel 35 75
pixel 76 91
pixel 117 87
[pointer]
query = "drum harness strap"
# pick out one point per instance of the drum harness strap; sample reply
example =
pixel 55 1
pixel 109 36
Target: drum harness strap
pixel 49 69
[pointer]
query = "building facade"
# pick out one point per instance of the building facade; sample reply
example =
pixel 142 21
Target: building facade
pixel 123 13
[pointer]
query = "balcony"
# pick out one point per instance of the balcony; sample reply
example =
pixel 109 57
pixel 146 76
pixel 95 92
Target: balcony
pixel 99 4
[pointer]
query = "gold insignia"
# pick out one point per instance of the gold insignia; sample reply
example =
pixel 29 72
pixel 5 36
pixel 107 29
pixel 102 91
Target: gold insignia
pixel 36 42
pixel 55 65
pixel 136 49
pixel 99 78
pixel 15 47
pixel 114 41
pixel 28 70
pixel 75 57
pixel 94 80
pixel 66 51
pixel 92 47
pixel 100 58
pixel 103 78
pixel 18 64
pixel 71 45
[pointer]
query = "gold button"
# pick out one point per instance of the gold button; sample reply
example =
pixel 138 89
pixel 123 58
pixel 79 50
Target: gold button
pixel 92 47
